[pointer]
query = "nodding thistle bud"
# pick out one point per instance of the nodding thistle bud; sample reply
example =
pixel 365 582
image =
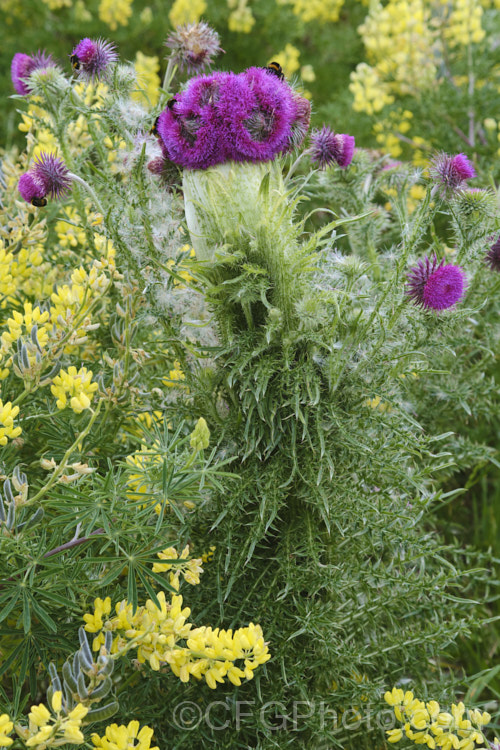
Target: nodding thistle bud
pixel 450 172
pixel 91 58
pixel 23 66
pixel 329 148
pixel 434 285
pixel 193 46
pixel 47 177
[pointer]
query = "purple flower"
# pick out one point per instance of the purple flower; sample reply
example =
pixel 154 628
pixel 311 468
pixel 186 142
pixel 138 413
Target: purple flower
pixel 434 285
pixel 190 127
pixel 391 165
pixel 47 177
pixel 165 169
pixel 261 123
pixel 329 148
pixel 451 171
pixel 224 116
pixel 300 125
pixel 32 189
pixel 23 66
pixel 493 255
pixel 92 57
pixel 193 46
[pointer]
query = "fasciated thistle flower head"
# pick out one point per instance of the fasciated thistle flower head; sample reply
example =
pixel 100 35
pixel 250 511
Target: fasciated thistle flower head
pixel 23 66
pixel 434 285
pixel 91 58
pixel 194 46
pixel 48 176
pixel 248 117
pixel 451 172
pixel 328 148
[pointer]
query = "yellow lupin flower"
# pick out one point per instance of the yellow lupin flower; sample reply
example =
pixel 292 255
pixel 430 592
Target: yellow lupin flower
pixel 394 735
pixel 241 19
pixel 45 729
pixel 175 376
pixel 435 728
pixel 21 323
pixel 70 233
pixel 125 737
pixel 186 11
pixel 315 10
pixel 6 727
pixel 77 385
pixel 7 416
pixel 95 621
pixel 371 93
pixel 115 12
pixel 158 633
pixel 190 570
pixel 148 80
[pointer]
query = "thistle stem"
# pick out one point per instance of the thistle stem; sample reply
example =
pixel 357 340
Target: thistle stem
pixel 89 190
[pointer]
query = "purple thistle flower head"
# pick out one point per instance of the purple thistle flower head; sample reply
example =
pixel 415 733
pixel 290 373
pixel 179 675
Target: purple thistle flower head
pixel 23 66
pixel 302 120
pixel 193 46
pixel 435 285
pixel 91 58
pixel 225 116
pixel 451 171
pixel 47 177
pixel 190 128
pixel 32 189
pixel 493 255
pixel 262 122
pixel 329 148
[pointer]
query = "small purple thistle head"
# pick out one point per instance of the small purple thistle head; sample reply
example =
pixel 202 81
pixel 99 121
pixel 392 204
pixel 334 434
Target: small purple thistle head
pixel 451 171
pixel 91 58
pixel 329 148
pixel 23 66
pixel 493 255
pixel 53 174
pixel 194 46
pixel 47 177
pixel 434 285
pixel 32 189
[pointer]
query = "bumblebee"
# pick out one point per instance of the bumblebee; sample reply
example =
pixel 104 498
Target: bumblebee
pixel 171 102
pixel 75 62
pixel 276 69
pixel 39 202
pixel 154 127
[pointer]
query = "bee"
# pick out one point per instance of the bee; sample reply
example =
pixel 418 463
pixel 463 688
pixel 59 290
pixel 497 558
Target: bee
pixel 75 62
pixel 276 69
pixel 171 102
pixel 39 202
pixel 154 127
